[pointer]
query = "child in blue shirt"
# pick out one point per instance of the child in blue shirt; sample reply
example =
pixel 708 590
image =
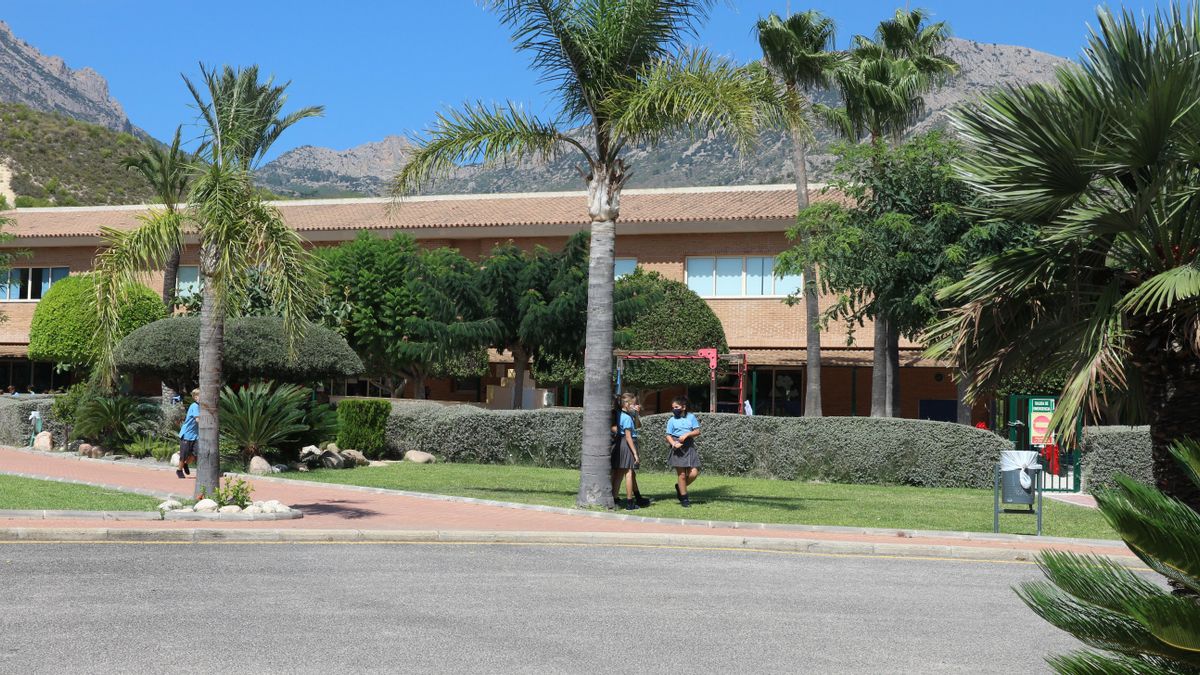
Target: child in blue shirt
pixel 682 430
pixel 625 454
pixel 189 433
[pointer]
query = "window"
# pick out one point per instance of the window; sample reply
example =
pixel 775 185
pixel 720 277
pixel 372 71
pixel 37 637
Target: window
pixel 738 276
pixel 623 266
pixel 188 280
pixel 31 283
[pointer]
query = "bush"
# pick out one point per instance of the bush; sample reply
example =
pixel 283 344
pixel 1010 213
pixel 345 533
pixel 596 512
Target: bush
pixel 262 416
pixel 67 405
pixel 322 422
pixel 362 426
pixel 64 325
pixel 255 348
pixel 142 446
pixel 113 422
pixel 839 449
pixel 1109 451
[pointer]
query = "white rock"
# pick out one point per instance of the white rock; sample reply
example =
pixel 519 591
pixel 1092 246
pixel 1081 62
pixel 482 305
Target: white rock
pixel 231 508
pixel 302 468
pixel 187 510
pixel 279 468
pixel 205 506
pixel 377 463
pixel 85 450
pixel 333 447
pixel 259 466
pixel 418 457
pixel 309 453
pixel 332 460
pixel 170 505
pixel 174 459
pixel 252 509
pixel 354 458
pixel 43 442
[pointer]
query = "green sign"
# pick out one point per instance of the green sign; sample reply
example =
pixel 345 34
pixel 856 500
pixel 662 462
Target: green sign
pixel 1041 410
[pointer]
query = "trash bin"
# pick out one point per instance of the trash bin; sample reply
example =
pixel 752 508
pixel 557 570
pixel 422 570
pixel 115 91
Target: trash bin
pixel 1018 476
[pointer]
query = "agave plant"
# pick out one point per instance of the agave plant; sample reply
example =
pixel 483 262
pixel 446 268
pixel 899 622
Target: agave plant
pixel 1143 627
pixel 262 415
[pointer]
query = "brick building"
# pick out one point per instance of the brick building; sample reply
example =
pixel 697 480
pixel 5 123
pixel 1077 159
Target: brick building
pixel 720 241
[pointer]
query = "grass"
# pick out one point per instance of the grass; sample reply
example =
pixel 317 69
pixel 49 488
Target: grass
pixel 736 499
pixel 32 494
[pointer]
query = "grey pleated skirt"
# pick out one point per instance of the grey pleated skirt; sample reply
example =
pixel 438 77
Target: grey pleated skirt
pixel 622 458
pixel 685 457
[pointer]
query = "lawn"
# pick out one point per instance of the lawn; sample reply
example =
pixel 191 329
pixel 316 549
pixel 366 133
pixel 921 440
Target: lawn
pixel 31 494
pixel 736 499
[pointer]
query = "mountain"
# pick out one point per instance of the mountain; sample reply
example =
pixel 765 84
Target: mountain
pixel 680 161
pixel 45 83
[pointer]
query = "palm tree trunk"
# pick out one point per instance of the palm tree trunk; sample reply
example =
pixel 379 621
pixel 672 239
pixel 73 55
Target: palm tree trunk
pixel 893 371
pixel 170 280
pixel 960 395
pixel 812 308
pixel 212 337
pixel 1172 389
pixel 595 484
pixel 879 369
pixel 520 360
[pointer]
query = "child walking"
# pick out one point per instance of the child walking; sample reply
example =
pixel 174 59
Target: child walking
pixel 682 430
pixel 625 454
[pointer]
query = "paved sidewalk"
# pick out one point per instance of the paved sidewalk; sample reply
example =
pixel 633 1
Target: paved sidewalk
pixel 357 512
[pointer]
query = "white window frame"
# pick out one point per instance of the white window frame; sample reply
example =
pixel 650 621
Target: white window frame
pixel 617 260
pixel 712 294
pixel 29 271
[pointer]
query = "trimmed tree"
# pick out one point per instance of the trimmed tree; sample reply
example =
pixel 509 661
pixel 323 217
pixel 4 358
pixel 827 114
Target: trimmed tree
pixel 255 348
pixel 65 324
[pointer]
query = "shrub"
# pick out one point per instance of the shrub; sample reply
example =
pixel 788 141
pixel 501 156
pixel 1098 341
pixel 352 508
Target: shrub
pixel 234 492
pixel 67 405
pixel 65 324
pixel 362 425
pixel 142 446
pixel 255 348
pixel 1109 451
pixel 322 422
pixel 840 449
pixel 113 422
pixel 262 416
pixel 162 450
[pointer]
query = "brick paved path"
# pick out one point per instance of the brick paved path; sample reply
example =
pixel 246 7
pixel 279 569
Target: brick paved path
pixel 330 507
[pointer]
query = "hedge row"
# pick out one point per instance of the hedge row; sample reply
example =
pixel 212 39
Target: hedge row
pixel 362 425
pixel 840 449
pixel 1108 451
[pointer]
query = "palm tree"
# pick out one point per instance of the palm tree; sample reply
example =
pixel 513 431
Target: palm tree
pixel 240 118
pixel 883 83
pixel 1143 627
pixel 623 78
pixel 1103 162
pixel 166 171
pixel 798 53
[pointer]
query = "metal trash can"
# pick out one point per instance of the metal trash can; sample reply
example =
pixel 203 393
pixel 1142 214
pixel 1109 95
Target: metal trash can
pixel 1019 476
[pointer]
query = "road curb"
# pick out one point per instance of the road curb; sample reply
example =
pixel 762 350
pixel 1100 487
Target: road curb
pixel 632 539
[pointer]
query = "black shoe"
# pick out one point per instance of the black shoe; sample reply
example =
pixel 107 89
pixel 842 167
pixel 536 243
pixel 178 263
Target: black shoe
pixel 630 505
pixel 186 470
pixel 643 502
pixel 685 502
pixel 179 472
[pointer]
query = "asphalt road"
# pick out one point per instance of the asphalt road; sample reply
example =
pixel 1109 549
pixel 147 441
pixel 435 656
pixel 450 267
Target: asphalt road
pixel 334 608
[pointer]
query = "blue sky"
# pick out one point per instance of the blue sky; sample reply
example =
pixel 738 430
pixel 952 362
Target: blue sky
pixel 384 67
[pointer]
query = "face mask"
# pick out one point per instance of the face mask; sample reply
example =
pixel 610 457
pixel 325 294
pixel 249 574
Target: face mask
pixel 677 413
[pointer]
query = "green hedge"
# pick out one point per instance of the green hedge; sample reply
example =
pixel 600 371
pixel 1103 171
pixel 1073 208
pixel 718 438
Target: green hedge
pixel 1108 451
pixel 64 324
pixel 839 449
pixel 362 425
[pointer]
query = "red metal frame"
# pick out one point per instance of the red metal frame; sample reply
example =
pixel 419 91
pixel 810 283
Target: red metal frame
pixel 709 354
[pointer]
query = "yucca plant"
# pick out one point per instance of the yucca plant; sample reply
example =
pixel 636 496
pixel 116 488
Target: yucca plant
pixel 1143 627
pixel 262 416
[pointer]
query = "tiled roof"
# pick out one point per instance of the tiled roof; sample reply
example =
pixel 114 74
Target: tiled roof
pixel 830 356
pixel 721 204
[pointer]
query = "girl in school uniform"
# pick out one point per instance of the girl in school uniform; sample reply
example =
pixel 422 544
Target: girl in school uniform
pixel 625 454
pixel 682 430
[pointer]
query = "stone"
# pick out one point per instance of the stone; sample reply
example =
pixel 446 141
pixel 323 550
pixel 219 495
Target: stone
pixel 230 508
pixel 310 455
pixel 205 506
pixel 259 466
pixel 418 457
pixel 252 509
pixel 175 459
pixel 354 458
pixel 43 442
pixel 170 505
pixel 279 468
pixel 303 468
pixel 85 450
pixel 186 510
pixel 332 460
pixel 333 447
pixel 96 452
pixel 375 463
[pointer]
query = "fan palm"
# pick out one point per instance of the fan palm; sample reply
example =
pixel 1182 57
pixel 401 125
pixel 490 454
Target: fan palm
pixel 166 171
pixel 622 77
pixel 883 83
pixel 240 118
pixel 1146 628
pixel 1104 163
pixel 797 51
